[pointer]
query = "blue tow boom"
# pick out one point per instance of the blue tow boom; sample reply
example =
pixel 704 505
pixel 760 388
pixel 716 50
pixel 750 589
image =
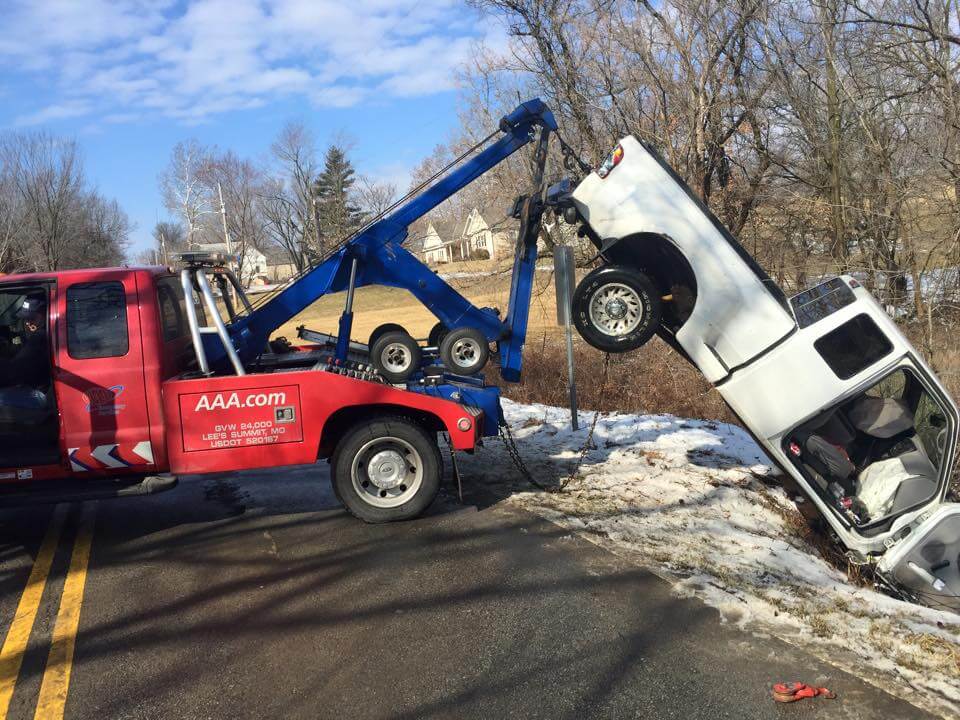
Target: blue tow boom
pixel 376 256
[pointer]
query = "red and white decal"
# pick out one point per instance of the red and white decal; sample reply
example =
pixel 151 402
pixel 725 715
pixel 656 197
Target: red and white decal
pixel 123 455
pixel 241 418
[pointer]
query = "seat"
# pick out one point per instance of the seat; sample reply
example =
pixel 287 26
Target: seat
pixel 824 442
pixel 892 485
pixel 880 417
pixel 20 405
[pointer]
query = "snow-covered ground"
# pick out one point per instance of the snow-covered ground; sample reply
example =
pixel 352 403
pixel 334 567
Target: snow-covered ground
pixel 697 502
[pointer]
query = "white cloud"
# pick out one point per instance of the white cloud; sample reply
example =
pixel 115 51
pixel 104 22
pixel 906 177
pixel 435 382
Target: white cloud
pixel 125 58
pixel 58 111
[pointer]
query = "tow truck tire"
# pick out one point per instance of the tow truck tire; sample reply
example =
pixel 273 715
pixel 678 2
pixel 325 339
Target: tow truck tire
pixel 386 469
pixel 616 309
pixel 464 351
pixel 396 355
pixel 437 333
pixel 381 330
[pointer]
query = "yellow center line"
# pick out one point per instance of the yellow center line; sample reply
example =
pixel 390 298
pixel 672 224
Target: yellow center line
pixel 56 677
pixel 15 644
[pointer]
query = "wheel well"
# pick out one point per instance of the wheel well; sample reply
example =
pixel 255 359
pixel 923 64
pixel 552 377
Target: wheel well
pixel 666 265
pixel 343 419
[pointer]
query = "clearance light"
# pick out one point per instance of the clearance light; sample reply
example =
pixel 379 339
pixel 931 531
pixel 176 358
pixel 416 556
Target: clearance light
pixel 464 424
pixel 613 159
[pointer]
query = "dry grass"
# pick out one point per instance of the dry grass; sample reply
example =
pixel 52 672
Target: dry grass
pixel 375 305
pixel 652 380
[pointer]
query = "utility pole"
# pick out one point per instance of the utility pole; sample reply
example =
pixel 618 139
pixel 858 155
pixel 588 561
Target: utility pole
pixel 226 234
pixel 223 216
pixel 163 248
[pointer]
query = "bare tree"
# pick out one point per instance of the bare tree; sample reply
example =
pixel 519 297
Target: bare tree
pixel 241 183
pixel 49 219
pixel 281 222
pixel 375 196
pixel 295 153
pixel 185 186
pixel 169 238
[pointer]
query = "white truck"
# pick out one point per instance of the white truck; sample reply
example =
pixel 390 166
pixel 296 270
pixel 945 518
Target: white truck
pixel 824 380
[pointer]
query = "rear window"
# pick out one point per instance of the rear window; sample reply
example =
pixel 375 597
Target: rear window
pixel 97 320
pixel 821 301
pixel 853 346
pixel 173 312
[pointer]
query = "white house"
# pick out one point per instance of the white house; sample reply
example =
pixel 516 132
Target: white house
pixel 479 237
pixel 435 251
pixel 465 240
pixel 253 263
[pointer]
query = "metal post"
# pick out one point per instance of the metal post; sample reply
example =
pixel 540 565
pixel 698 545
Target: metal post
pixel 564 271
pixel 226 233
pixel 187 283
pixel 218 327
pixel 346 319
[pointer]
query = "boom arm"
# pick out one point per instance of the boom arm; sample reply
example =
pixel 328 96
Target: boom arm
pixel 382 260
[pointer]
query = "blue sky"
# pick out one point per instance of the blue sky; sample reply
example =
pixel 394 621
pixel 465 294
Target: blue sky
pixel 129 79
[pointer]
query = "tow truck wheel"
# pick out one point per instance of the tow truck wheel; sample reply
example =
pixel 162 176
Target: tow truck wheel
pixel 380 330
pixel 437 333
pixel 464 351
pixel 386 470
pixel 616 309
pixel 396 355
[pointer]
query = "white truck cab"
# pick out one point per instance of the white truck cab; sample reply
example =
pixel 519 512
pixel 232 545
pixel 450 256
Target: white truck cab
pixel 825 380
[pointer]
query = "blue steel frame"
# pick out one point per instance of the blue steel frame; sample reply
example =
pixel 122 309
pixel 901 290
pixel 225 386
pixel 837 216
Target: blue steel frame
pixel 381 260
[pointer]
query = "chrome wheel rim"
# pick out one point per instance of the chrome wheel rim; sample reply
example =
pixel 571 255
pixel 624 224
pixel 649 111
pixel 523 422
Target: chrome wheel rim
pixel 465 352
pixel 615 309
pixel 396 357
pixel 387 472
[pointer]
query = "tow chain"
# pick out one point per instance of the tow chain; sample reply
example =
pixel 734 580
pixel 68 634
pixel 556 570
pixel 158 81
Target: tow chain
pixel 513 451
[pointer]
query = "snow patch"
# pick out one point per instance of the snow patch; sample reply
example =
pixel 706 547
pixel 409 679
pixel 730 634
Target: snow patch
pixel 697 502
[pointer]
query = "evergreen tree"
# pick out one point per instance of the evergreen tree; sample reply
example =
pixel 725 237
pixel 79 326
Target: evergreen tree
pixel 337 215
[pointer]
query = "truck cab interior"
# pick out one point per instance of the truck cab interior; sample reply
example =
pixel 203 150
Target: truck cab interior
pixel 877 455
pixel 28 410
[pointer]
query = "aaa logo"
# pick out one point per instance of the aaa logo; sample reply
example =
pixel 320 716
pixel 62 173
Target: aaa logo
pixel 103 400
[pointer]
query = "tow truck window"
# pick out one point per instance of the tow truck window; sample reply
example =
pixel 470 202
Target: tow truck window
pixel 853 346
pixel 173 312
pixel 97 320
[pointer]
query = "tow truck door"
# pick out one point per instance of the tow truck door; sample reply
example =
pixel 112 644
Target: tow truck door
pixel 100 376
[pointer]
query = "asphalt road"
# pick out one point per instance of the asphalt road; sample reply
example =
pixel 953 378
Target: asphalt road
pixel 256 596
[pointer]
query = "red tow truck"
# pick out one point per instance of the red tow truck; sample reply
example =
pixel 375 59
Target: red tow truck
pixel 99 382
pixel 116 381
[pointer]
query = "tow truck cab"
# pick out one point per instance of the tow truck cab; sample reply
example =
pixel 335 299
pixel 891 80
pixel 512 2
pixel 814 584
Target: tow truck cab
pixel 99 379
pixel 825 381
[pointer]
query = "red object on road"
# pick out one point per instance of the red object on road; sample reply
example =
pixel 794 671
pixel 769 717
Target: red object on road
pixel 791 692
